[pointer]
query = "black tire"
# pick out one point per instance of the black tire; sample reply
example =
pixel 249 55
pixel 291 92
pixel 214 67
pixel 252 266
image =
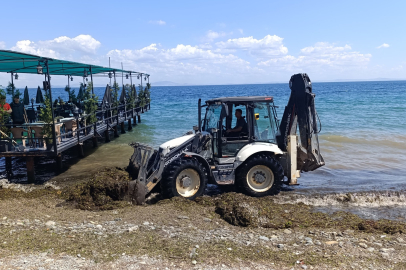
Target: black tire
pixel 173 170
pixel 260 161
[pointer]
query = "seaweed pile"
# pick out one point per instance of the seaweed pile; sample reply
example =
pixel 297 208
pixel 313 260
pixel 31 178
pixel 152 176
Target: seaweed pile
pixel 106 190
pixel 241 210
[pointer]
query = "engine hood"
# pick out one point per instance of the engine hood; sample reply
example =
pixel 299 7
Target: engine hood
pixel 174 143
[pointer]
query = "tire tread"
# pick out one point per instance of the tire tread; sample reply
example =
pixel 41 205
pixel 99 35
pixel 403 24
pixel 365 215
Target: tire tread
pixel 260 159
pixel 168 182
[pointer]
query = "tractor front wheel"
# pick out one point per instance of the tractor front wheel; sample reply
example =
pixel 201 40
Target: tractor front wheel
pixel 184 177
pixel 260 176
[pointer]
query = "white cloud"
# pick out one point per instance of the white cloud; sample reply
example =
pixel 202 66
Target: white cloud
pixel 385 45
pixel 181 63
pixel 269 46
pixel 323 57
pixel 324 48
pixel 212 35
pixel 205 46
pixel 2 45
pixel 215 62
pixel 241 31
pixel 60 47
pixel 159 22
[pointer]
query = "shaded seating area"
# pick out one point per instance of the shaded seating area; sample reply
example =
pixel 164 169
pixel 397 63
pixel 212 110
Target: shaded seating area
pixel 50 125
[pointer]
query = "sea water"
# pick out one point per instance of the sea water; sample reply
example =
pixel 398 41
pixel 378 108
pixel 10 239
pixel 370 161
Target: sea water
pixel 362 138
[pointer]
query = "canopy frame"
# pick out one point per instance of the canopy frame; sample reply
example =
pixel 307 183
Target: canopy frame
pixel 16 62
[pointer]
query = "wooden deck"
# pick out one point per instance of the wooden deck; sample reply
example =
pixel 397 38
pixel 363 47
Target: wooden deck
pixel 101 128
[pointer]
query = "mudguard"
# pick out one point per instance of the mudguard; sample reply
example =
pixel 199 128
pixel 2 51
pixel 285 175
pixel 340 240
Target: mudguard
pixel 201 159
pixel 256 147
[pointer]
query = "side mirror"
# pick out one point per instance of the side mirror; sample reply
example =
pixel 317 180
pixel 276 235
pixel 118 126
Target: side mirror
pixel 195 128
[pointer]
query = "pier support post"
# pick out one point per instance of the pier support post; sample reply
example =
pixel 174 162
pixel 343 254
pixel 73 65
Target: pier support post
pixel 115 131
pixel 135 119
pixel 139 118
pixel 130 127
pixel 95 142
pixel 107 135
pixel 81 153
pixel 30 169
pixel 58 160
pixel 122 128
pixel 9 166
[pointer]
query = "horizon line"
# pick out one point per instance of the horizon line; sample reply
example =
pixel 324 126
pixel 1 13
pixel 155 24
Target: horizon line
pixel 322 81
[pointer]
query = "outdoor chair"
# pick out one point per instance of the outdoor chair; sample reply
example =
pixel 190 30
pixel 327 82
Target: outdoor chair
pixel 31 115
pixel 71 126
pixel 37 134
pixel 19 135
pixel 58 132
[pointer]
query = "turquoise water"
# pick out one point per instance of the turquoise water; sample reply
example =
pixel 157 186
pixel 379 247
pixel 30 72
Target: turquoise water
pixel 363 136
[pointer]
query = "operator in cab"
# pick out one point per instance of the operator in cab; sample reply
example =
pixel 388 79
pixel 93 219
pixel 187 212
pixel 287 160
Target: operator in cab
pixel 240 127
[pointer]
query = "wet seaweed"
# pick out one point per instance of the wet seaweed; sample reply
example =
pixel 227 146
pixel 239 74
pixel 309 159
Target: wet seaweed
pixel 241 210
pixel 107 190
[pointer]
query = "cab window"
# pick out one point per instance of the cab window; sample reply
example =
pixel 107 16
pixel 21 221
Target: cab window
pixel 264 122
pixel 212 117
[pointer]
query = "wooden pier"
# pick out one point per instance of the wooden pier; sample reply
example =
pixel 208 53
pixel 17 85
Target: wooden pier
pixel 74 129
pixel 65 141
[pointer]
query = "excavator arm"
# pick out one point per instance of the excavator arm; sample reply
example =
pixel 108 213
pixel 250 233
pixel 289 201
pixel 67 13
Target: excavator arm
pixel 300 118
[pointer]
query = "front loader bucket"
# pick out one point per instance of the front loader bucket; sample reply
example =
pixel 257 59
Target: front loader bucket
pixel 146 166
pixel 138 171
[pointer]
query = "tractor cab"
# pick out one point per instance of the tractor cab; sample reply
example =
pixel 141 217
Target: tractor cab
pixel 235 122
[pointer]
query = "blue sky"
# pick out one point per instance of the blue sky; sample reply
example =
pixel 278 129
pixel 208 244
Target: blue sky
pixel 216 42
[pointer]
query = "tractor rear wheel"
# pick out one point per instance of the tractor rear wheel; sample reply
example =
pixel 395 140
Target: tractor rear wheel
pixel 260 176
pixel 184 177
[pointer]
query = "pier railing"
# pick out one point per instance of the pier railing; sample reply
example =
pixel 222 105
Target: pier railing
pixel 69 131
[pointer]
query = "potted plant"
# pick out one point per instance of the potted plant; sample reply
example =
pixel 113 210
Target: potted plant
pixel 11 89
pixel 130 97
pixel 90 102
pixel 45 115
pixel 115 102
pixel 71 94
pixel 141 97
pixel 147 93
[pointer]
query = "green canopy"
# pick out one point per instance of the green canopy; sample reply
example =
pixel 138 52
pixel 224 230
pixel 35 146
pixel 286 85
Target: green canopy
pixel 39 98
pixel 17 62
pixel 26 97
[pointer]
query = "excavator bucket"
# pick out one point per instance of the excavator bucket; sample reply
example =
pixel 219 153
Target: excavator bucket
pixel 300 115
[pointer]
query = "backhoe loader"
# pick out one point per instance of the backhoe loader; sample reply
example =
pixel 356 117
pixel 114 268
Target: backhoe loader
pixel 257 160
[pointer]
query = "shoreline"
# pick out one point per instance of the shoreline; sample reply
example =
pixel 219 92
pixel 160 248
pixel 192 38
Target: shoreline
pixel 223 231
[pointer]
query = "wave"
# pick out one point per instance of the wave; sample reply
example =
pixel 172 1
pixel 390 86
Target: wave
pixel 393 141
pixel 364 199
